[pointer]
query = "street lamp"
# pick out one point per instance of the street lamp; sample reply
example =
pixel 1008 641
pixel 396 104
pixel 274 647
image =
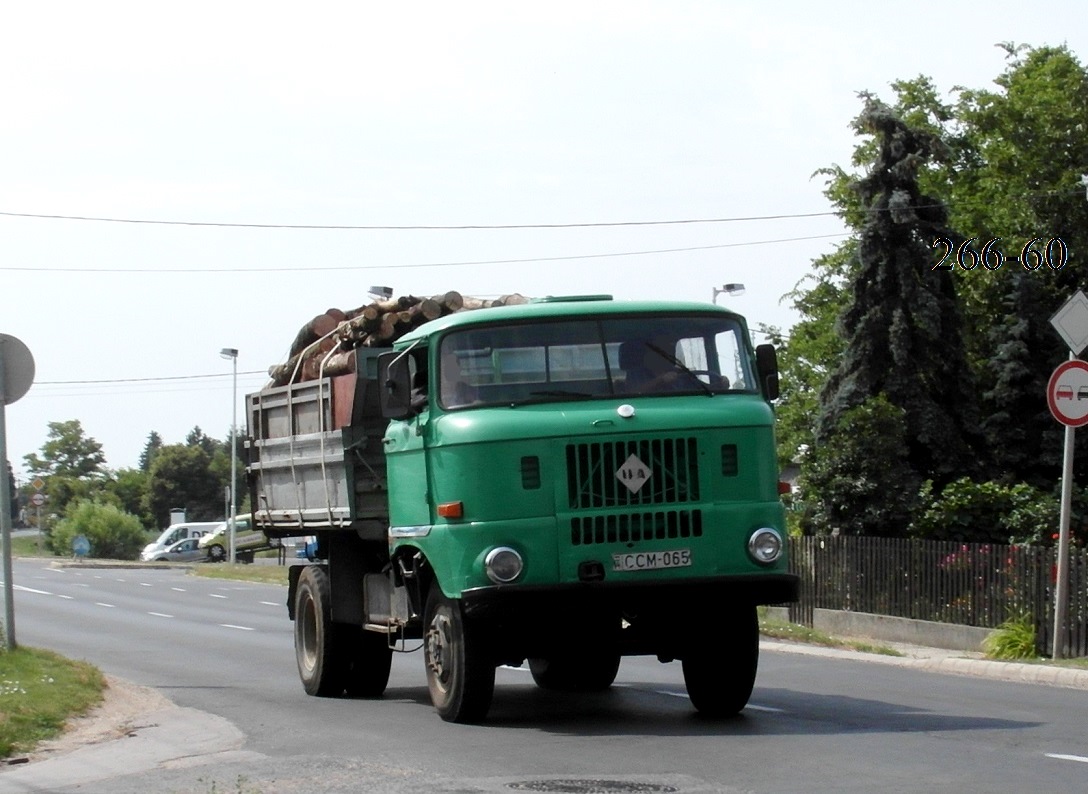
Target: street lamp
pixel 729 289
pixel 232 354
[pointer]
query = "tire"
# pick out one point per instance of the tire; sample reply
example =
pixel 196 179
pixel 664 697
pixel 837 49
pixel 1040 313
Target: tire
pixel 720 681
pixel 460 673
pixel 320 667
pixel 592 673
pixel 217 553
pixel 367 659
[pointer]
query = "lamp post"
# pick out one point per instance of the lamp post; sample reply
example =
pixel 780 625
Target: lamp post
pixel 232 354
pixel 728 289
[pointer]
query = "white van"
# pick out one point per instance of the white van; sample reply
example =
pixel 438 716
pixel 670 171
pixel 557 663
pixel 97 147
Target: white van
pixel 174 533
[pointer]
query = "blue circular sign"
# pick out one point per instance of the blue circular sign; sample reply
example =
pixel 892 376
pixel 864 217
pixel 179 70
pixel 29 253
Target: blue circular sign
pixel 81 546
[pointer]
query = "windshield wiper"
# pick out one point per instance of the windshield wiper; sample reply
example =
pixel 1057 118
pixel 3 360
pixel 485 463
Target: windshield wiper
pixel 680 365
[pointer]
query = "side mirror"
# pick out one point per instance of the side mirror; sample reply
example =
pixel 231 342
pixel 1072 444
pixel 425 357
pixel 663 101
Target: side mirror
pixel 394 386
pixel 767 367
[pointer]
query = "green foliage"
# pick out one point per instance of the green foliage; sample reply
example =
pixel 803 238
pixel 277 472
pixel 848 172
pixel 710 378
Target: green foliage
pixel 151 448
pixel 1013 639
pixel 113 534
pixel 68 453
pixel 849 490
pixel 128 489
pixel 181 476
pixel 986 512
pixel 1009 166
pixel 39 691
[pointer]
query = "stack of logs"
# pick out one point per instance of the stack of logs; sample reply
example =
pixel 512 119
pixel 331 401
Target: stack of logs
pixel 324 345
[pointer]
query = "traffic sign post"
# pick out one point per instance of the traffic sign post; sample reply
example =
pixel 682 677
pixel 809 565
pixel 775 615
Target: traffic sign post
pixel 1063 395
pixel 16 375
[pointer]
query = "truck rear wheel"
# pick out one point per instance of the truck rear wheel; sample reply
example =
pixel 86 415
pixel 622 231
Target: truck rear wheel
pixel 460 673
pixel 593 672
pixel 320 667
pixel 720 677
pixel 368 658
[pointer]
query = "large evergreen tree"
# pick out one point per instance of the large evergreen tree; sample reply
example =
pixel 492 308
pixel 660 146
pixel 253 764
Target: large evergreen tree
pixel 902 330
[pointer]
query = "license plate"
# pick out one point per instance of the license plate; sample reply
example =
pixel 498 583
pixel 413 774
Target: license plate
pixel 651 560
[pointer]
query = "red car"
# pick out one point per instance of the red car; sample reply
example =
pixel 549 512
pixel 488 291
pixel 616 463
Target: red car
pixel 1065 392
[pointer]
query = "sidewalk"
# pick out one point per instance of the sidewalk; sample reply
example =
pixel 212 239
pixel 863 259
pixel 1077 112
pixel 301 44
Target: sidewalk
pixel 939 660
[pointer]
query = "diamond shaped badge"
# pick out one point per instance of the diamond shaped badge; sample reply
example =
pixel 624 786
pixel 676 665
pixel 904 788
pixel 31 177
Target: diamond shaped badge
pixel 633 473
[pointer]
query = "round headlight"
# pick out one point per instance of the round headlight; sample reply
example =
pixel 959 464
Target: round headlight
pixel 765 545
pixel 503 565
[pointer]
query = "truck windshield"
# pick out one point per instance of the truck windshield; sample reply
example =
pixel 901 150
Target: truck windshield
pixel 586 359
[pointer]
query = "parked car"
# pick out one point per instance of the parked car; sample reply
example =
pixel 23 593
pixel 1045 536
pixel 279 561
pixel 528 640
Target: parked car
pixel 183 551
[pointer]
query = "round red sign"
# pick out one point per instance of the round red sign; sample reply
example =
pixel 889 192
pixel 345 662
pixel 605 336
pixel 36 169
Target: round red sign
pixel 1067 393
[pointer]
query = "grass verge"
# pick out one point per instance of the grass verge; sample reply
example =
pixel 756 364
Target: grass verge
pixel 793 632
pixel 39 692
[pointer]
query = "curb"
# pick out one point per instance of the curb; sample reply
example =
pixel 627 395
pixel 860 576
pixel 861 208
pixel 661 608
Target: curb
pixel 1012 672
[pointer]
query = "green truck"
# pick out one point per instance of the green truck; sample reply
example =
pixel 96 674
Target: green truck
pixel 558 484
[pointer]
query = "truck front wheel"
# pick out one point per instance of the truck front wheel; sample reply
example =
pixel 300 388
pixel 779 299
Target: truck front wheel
pixel 217 553
pixel 320 667
pixel 460 673
pixel 720 676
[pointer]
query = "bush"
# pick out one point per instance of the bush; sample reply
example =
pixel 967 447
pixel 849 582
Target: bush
pixel 1013 639
pixel 113 533
pixel 987 512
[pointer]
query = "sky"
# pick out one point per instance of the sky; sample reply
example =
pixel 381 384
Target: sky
pixel 198 153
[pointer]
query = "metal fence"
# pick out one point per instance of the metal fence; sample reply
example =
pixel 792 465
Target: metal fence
pixel 972 584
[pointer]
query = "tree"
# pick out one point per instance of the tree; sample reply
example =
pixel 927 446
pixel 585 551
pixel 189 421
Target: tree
pixel 902 331
pixel 151 448
pixel 846 489
pixel 181 477
pixel 12 493
pixel 67 453
pixel 129 488
pixel 1013 156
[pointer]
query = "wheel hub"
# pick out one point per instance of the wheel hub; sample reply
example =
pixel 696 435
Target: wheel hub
pixel 439 648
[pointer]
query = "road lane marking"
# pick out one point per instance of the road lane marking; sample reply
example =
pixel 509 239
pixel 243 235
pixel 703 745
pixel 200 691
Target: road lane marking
pixel 179 589
pixel 31 590
pixel 240 628
pixel 1060 757
pixel 145 584
pixel 216 595
pixel 670 693
pixel 271 603
pixel 160 615
pixel 100 604
pixel 66 597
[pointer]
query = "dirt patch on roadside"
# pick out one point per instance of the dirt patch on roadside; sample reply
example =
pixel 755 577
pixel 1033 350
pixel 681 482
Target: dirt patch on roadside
pixel 122 710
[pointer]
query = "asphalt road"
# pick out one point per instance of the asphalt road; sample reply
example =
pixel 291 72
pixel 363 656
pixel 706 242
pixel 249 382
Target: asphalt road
pixel 815 723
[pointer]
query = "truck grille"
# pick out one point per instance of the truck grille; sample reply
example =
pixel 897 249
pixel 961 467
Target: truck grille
pixel 636 527
pixel 592 481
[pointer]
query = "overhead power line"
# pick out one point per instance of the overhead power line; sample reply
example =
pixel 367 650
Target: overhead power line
pixel 415 227
pixel 409 266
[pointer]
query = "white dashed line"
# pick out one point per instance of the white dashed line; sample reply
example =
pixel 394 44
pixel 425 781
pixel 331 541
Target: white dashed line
pixel 179 589
pixel 145 584
pixel 160 615
pixel 67 597
pixel 271 603
pixel 1058 756
pixel 216 595
pixel 240 628
pixel 108 606
pixel 30 590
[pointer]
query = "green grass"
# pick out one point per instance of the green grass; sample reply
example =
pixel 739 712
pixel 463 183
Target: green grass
pixel 267 574
pixel 39 692
pixel 27 546
pixel 783 630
